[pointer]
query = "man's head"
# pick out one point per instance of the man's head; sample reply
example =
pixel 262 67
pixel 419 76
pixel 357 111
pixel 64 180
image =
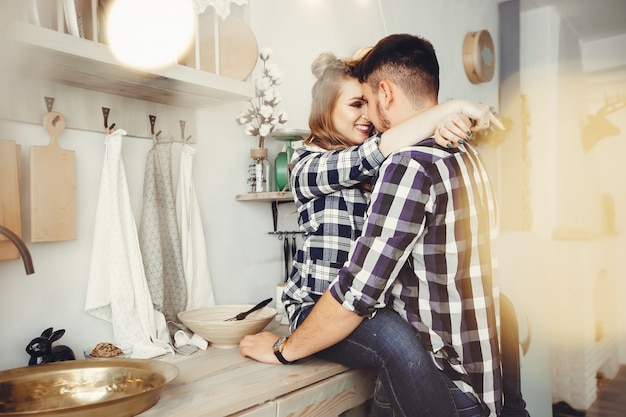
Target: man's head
pixel 400 76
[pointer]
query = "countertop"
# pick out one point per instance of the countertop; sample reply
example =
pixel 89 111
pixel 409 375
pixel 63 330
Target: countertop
pixel 220 382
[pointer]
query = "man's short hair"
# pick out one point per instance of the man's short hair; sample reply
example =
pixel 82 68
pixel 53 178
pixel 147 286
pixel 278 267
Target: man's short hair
pixel 408 61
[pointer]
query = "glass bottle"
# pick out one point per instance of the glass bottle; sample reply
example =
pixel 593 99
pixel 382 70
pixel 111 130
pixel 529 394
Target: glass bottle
pixel 259 172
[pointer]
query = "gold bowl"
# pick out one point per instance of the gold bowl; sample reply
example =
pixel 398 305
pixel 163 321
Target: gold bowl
pixel 210 324
pixel 107 387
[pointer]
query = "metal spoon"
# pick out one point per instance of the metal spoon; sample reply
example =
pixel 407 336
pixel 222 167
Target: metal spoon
pixel 243 315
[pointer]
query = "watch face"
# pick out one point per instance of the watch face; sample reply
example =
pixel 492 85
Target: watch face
pixel 278 343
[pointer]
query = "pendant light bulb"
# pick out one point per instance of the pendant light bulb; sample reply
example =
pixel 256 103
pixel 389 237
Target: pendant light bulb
pixel 150 34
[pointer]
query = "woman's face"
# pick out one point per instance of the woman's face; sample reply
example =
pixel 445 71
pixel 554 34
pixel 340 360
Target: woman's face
pixel 349 113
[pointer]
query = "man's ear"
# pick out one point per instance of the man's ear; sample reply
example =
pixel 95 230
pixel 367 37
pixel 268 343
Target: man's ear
pixel 385 93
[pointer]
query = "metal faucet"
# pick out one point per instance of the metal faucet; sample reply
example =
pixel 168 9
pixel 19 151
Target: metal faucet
pixel 21 246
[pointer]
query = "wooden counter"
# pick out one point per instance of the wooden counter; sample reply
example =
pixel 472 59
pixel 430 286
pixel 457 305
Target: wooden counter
pixel 220 382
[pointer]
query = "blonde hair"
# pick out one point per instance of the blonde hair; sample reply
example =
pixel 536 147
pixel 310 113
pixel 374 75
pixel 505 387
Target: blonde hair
pixel 331 73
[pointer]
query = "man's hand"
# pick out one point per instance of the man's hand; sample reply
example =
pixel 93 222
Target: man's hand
pixel 327 324
pixel 259 347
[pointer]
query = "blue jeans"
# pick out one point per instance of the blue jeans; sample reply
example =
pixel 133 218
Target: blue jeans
pixel 409 383
pixel 465 406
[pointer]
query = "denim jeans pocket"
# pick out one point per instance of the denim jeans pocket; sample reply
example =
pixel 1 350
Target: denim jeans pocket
pixel 381 407
pixel 466 405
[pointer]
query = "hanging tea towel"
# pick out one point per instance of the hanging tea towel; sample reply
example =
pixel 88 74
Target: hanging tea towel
pixel 194 251
pixel 158 234
pixel 117 290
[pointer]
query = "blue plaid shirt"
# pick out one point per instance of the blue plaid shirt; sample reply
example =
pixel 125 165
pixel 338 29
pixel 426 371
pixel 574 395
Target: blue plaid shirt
pixel 331 207
pixel 425 250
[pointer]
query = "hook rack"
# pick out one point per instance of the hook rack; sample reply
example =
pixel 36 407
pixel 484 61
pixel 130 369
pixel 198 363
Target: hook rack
pixel 285 234
pixel 280 234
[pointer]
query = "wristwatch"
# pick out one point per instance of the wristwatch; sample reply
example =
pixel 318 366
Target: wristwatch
pixel 278 349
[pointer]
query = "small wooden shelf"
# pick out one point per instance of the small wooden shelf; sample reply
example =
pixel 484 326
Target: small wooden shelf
pixel 63 58
pixel 269 196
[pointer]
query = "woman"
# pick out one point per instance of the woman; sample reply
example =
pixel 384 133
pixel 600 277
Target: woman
pixel 330 177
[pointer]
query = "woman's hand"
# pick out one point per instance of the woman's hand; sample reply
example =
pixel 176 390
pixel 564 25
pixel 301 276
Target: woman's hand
pixel 259 347
pixel 466 117
pixel 453 130
pixel 481 116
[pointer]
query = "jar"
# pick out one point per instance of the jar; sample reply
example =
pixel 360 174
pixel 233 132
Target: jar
pixel 259 172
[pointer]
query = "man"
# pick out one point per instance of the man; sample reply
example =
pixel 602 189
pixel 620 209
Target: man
pixel 425 247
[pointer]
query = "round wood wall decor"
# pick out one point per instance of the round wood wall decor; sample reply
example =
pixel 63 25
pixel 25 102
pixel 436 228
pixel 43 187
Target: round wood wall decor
pixel 479 58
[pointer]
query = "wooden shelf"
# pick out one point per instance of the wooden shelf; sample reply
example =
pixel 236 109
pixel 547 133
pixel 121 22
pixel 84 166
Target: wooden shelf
pixel 269 196
pixel 63 58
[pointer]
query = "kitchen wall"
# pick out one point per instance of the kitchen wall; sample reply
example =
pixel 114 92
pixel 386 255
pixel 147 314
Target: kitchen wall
pixel 245 261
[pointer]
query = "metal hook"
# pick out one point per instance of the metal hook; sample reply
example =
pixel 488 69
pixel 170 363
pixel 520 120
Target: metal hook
pixel 182 132
pixel 49 103
pixel 152 123
pixel 105 115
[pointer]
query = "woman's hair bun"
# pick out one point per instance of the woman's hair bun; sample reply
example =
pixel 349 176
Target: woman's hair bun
pixel 324 61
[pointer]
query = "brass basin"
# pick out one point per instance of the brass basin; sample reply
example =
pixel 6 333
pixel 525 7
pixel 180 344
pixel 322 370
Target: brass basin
pixel 106 387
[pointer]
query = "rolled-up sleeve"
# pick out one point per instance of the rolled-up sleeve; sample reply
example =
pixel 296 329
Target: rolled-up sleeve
pixel 395 219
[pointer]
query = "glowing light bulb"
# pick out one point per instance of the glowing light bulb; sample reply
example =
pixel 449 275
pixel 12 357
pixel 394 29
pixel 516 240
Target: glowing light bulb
pixel 150 34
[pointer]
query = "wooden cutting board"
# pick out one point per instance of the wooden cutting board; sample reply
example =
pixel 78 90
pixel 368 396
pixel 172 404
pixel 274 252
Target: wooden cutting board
pixel 10 215
pixel 52 186
pixel 238 47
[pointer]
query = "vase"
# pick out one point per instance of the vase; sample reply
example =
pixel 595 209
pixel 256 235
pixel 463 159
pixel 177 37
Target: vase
pixel 259 178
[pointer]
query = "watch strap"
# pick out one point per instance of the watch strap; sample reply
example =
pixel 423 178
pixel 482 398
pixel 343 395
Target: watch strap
pixel 278 347
pixel 281 358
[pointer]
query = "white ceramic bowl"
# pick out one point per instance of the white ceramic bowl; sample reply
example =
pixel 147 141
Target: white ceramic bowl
pixel 210 324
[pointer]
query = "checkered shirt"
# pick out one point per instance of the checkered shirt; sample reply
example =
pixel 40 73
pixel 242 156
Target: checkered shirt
pixel 425 250
pixel 331 208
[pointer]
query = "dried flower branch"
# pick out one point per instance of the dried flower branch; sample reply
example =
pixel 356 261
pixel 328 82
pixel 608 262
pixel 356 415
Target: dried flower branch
pixel 261 117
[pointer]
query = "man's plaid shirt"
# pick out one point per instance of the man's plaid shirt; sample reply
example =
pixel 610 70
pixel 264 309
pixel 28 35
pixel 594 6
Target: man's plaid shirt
pixel 425 249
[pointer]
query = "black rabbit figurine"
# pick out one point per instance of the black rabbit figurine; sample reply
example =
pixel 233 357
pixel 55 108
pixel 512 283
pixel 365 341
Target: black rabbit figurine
pixel 41 351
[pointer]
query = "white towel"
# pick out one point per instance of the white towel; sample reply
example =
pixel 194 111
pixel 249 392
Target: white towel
pixel 159 238
pixel 195 260
pixel 117 290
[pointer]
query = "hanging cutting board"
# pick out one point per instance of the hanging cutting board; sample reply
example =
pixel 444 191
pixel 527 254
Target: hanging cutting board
pixel 10 215
pixel 238 47
pixel 52 186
